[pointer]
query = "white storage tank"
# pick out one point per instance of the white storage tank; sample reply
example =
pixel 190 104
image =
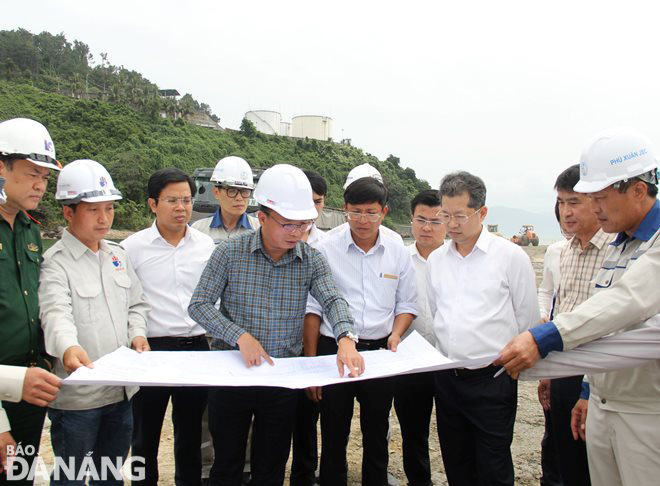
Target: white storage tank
pixel 266 121
pixel 311 126
pixel 285 129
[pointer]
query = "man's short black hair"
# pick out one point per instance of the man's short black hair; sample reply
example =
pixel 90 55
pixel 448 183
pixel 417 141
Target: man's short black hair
pixel 430 198
pixel 317 182
pixel 455 184
pixel 9 160
pixel 365 191
pixel 566 180
pixel 163 177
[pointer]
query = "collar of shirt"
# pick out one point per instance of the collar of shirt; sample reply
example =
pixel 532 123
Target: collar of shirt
pixel 77 248
pixel 153 234
pixel 349 243
pixel 646 230
pixel 414 252
pixel 256 243
pixel 598 240
pixel 217 222
pixel 315 236
pixel 483 243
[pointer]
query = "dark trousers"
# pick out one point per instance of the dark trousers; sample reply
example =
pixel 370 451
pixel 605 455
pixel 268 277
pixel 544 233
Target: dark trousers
pixel 305 449
pixel 550 473
pixel 188 404
pixel 476 414
pixel 27 422
pixel 375 398
pixel 564 393
pixel 104 433
pixel 413 402
pixel 231 410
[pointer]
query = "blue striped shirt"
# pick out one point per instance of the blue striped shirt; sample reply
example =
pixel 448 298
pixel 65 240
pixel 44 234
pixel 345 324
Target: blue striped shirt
pixel 263 297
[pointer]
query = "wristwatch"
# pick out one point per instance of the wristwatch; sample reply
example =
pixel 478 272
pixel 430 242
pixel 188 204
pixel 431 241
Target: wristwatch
pixel 350 335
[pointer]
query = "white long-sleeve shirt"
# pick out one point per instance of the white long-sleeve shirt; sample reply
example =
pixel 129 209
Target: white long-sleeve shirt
pixel 378 285
pixel 551 276
pixel 169 275
pixel 481 301
pixel 423 323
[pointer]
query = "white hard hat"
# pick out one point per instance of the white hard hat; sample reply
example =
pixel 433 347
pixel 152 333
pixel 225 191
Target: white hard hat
pixel 614 155
pixel 234 172
pixel 85 181
pixel 22 136
pixel 364 170
pixel 286 189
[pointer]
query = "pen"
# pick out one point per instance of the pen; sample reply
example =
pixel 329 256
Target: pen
pixel 499 372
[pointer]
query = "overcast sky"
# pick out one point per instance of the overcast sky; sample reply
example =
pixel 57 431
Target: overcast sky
pixel 508 90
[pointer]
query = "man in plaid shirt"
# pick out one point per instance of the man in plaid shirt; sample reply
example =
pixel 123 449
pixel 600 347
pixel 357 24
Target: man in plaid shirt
pixel 263 279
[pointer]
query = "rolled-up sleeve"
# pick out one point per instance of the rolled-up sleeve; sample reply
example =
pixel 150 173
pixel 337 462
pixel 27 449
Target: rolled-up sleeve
pixel 209 289
pixel 406 292
pixel 323 289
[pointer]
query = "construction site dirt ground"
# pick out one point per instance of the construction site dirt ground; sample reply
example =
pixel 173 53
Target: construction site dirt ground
pixel 526 448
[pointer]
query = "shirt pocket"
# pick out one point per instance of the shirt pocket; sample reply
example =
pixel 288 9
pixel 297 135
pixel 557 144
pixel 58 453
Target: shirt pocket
pixel 123 290
pixel 85 303
pixel 387 284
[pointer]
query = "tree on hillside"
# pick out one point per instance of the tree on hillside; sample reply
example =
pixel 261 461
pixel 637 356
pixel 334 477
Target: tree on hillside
pixel 248 128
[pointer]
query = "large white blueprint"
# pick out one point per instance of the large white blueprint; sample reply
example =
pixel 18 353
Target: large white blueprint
pixel 226 368
pixel 618 351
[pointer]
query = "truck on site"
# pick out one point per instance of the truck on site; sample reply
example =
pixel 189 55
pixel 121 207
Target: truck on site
pixel 526 236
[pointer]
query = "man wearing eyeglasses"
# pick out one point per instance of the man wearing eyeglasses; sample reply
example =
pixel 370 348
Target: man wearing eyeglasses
pixel 413 399
pixel 375 275
pixel 263 280
pixel 233 187
pixel 482 292
pixel 169 258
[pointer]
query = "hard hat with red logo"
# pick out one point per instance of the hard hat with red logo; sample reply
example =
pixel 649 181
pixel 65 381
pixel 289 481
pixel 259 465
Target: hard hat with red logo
pixel 28 139
pixel 85 181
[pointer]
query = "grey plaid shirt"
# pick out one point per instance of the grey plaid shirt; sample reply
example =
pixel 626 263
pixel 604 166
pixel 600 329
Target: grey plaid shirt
pixel 264 297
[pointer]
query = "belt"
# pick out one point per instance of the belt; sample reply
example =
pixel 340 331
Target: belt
pixel 180 341
pixel 467 373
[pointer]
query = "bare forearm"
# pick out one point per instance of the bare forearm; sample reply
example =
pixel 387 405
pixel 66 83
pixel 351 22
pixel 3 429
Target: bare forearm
pixel 311 332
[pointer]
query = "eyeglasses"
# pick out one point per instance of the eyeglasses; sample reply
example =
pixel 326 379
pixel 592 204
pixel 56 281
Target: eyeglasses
pixel 174 201
pixel 233 192
pixel 371 217
pixel 421 222
pixel 291 228
pixel 460 219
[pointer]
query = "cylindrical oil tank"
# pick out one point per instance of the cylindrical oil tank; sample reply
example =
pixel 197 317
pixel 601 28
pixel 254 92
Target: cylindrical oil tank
pixel 311 126
pixel 285 129
pixel 266 121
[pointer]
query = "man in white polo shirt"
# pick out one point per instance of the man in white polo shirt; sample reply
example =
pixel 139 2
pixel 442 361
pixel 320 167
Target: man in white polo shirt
pixel 169 258
pixel 482 292
pixel 375 275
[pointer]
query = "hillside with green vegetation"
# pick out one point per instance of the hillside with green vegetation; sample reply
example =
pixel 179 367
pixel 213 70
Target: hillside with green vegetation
pixel 133 141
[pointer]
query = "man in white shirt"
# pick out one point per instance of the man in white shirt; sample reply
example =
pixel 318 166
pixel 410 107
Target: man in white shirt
pixel 169 258
pixel 375 275
pixel 482 291
pixel 361 172
pixel 413 399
